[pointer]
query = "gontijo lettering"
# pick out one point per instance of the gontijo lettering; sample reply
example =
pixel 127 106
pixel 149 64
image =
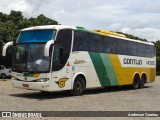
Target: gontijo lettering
pixel 132 61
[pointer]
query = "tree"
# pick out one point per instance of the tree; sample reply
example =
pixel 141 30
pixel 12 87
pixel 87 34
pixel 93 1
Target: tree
pixel 132 36
pixel 10 25
pixel 15 16
pixel 42 20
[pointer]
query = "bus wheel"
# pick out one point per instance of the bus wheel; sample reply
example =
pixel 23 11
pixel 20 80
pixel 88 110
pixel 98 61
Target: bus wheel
pixel 136 82
pixel 142 81
pixel 78 87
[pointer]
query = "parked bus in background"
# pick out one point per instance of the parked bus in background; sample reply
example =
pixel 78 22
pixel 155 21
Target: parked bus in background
pixel 57 57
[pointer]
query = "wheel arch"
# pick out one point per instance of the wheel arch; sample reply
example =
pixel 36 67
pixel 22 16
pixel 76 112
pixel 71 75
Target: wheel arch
pixel 136 81
pixel 80 74
pixel 145 75
pixel 136 73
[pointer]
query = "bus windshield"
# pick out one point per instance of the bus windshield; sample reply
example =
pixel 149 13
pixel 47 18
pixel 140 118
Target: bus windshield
pixel 29 52
pixel 30 58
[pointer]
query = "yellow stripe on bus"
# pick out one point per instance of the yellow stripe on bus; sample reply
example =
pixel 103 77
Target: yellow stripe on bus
pixel 125 75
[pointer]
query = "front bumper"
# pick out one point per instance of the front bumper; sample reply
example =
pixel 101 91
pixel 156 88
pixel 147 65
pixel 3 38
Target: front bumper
pixel 41 86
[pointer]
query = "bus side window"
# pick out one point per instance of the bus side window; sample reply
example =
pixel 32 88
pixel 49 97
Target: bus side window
pixel 148 53
pixel 81 41
pixel 122 46
pixel 92 44
pixel 132 48
pixel 141 49
pixel 109 45
pixel 96 43
pixel 152 51
pixel 98 40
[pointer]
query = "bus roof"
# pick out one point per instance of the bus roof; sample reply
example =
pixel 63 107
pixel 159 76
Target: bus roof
pixel 100 32
pixel 120 36
pixel 106 32
pixel 112 34
pixel 139 41
pixel 48 27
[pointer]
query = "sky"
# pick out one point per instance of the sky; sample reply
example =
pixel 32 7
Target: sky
pixel 137 17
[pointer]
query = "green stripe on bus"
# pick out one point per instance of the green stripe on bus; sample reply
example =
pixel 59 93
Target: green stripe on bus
pixel 109 69
pixel 100 68
pixel 85 30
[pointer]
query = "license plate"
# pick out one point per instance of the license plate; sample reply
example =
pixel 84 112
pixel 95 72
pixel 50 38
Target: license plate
pixel 25 85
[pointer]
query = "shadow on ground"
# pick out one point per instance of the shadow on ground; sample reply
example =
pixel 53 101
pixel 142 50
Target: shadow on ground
pixel 64 94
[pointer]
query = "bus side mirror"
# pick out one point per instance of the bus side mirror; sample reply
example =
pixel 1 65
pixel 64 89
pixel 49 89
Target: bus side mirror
pixel 46 48
pixel 5 48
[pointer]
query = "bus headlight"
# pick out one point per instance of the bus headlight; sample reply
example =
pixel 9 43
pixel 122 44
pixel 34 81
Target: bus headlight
pixel 43 80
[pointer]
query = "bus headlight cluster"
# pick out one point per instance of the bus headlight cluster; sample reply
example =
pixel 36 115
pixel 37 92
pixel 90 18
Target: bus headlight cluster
pixel 43 80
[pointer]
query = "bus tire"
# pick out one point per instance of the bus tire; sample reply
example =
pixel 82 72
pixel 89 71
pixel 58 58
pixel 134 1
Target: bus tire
pixel 142 81
pixel 136 82
pixel 78 87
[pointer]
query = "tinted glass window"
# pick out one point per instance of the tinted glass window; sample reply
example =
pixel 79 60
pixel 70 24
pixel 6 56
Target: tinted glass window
pixel 152 51
pixel 62 48
pixel 36 36
pixel 81 41
pixel 122 46
pixel 109 45
pixel 132 48
pixel 148 51
pixel 96 43
pixel 141 49
pixel 92 43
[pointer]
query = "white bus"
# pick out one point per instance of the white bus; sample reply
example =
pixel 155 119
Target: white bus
pixel 56 57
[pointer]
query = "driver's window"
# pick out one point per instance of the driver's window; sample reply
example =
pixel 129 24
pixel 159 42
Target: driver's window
pixel 57 57
pixel 63 43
